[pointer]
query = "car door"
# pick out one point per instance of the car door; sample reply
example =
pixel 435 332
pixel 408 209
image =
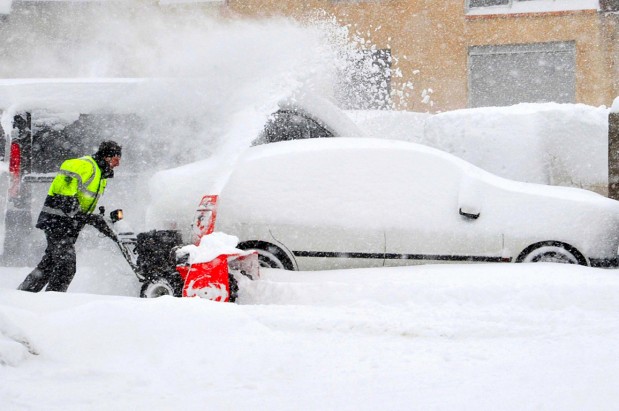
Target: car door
pixel 316 204
pixel 440 213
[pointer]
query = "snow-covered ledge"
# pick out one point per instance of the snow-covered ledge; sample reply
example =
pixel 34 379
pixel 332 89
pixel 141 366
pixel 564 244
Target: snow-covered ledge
pixel 536 6
pixel 613 151
pixel 5 6
pixel 169 2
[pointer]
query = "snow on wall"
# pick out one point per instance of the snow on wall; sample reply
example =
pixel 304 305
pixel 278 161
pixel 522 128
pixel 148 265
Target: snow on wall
pixel 5 6
pixel 538 6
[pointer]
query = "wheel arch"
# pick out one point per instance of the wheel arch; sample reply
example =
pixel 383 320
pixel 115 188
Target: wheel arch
pixel 278 250
pixel 582 260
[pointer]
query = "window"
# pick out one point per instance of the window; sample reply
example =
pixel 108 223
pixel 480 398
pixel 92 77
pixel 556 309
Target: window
pixel 476 7
pixel 290 125
pixel 609 5
pixel 504 75
pixel 486 3
pixel 56 138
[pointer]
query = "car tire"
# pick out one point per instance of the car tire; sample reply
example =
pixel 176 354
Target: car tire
pixel 552 252
pixel 158 287
pixel 269 255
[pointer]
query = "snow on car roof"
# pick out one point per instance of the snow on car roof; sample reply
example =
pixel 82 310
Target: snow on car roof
pixel 82 94
pixel 352 143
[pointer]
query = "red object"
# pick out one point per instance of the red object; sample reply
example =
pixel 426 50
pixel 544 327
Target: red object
pixel 204 218
pixel 210 280
pixel 14 169
pixel 206 280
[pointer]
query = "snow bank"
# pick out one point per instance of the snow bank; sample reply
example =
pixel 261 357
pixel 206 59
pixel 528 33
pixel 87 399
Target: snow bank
pixel 5 6
pixel 558 144
pixel 492 336
pixel 14 346
pixel 549 143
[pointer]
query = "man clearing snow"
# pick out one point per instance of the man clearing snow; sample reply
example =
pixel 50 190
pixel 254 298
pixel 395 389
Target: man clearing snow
pixel 69 206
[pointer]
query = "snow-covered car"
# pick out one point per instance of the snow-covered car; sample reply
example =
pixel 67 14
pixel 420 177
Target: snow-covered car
pixel 361 202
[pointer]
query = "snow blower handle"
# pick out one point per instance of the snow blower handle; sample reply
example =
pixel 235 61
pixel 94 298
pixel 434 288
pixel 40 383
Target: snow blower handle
pixel 99 222
pixel 122 235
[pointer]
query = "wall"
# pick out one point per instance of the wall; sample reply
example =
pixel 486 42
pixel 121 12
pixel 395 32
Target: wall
pixel 429 41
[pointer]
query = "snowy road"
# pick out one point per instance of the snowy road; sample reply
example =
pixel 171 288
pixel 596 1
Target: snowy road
pixel 485 337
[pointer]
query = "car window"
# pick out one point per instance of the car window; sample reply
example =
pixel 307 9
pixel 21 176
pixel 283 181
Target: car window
pixel 57 137
pixel 286 125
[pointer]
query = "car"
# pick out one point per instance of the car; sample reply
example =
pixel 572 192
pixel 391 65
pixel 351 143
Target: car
pixel 45 121
pixel 362 202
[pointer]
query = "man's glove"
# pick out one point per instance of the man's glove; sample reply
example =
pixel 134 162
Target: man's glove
pixel 97 221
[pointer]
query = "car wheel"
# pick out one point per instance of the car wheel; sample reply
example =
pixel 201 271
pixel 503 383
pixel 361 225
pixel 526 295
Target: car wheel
pixel 160 286
pixel 552 252
pixel 269 255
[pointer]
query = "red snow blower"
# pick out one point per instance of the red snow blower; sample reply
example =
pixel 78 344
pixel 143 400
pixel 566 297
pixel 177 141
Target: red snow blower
pixel 165 267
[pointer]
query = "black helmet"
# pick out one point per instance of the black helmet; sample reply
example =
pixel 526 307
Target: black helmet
pixel 109 149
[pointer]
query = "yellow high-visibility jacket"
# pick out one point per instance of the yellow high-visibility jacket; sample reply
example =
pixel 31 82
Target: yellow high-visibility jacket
pixel 76 188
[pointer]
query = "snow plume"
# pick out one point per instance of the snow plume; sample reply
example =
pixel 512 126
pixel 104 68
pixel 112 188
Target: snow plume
pixel 367 76
pixel 218 80
pixel 232 72
pixel 236 71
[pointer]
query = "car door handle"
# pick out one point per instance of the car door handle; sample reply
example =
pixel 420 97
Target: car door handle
pixel 469 215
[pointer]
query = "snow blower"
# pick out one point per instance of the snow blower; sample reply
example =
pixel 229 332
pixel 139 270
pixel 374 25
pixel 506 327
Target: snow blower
pixel 165 267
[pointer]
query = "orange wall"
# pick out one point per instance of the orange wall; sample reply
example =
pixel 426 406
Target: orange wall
pixel 429 41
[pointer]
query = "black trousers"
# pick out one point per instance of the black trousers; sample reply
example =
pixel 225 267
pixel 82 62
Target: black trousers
pixel 58 265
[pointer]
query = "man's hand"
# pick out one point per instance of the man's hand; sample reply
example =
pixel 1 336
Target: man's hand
pixel 98 222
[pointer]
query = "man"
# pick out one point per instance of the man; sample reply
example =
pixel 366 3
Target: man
pixel 69 205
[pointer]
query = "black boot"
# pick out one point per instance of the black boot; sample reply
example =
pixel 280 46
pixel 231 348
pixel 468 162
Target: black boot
pixel 34 282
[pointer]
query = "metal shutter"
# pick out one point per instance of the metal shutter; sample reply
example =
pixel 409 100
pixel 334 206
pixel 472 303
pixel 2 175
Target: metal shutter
pixel 523 73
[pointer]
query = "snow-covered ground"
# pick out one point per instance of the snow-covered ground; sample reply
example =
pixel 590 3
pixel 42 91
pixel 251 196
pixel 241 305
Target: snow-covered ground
pixel 465 337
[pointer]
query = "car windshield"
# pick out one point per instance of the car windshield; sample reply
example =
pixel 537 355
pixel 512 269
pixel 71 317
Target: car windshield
pixel 286 125
pixel 58 137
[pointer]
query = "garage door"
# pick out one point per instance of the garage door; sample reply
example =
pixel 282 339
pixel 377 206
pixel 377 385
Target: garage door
pixel 523 73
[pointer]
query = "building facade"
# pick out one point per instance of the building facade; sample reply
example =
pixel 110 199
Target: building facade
pixel 448 54
pixel 471 53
